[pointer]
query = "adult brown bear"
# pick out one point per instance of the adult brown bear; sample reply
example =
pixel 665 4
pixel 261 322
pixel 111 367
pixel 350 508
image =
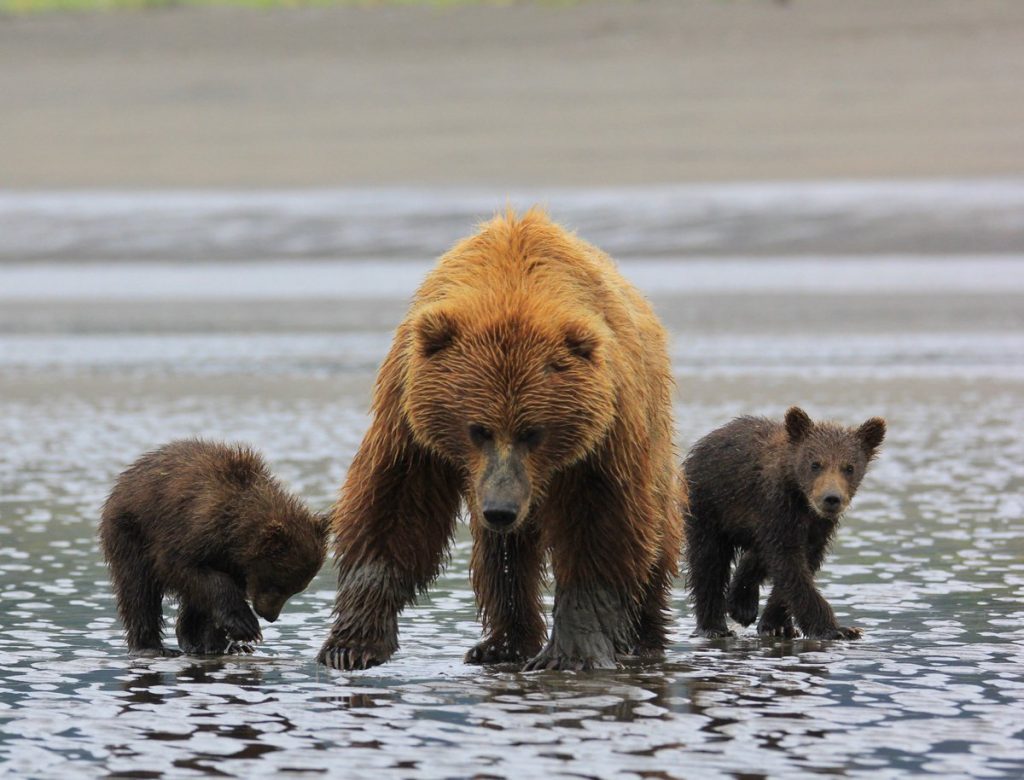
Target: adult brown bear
pixel 532 381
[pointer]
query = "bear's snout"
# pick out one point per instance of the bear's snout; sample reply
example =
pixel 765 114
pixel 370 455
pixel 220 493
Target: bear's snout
pixel 504 490
pixel 501 516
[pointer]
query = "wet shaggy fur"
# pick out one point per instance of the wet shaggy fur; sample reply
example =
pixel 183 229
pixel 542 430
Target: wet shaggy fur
pixel 775 491
pixel 209 524
pixel 532 382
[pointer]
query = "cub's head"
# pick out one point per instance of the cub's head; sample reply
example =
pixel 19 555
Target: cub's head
pixel 285 554
pixel 510 394
pixel 828 460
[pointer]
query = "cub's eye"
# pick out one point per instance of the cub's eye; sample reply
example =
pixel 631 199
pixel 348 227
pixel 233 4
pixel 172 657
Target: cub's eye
pixel 531 437
pixel 815 466
pixel 557 368
pixel 848 469
pixel 480 435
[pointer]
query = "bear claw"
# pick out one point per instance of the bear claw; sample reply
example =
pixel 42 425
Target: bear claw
pixel 349 659
pixel 553 661
pixel 839 632
pixel 493 651
pixel 782 632
pixel 718 632
pixel 155 652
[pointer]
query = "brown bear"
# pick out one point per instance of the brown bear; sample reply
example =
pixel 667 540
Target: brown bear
pixel 206 522
pixel 777 492
pixel 532 382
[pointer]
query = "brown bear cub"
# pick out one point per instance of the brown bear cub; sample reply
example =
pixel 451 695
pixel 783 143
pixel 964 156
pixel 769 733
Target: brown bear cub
pixel 777 492
pixel 208 523
pixel 531 381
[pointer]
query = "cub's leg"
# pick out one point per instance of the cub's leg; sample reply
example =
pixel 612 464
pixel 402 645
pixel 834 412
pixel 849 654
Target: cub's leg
pixel 794 584
pixel 776 620
pixel 198 634
pixel 745 588
pixel 138 592
pixel 709 555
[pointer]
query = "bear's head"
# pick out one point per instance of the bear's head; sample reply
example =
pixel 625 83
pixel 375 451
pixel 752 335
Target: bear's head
pixel 284 554
pixel 510 393
pixel 828 460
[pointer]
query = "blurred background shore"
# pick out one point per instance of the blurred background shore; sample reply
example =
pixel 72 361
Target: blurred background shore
pixel 597 93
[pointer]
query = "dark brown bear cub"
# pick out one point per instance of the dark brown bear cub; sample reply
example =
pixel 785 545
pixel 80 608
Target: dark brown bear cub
pixel 777 492
pixel 209 524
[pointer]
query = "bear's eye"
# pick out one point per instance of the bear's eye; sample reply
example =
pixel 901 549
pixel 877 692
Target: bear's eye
pixel 557 368
pixel 815 466
pixel 531 437
pixel 480 435
pixel 848 469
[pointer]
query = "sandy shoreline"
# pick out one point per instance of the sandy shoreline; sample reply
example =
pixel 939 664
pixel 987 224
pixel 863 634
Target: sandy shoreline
pixel 603 93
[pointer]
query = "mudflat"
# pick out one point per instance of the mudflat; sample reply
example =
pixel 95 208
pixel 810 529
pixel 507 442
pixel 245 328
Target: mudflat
pixel 595 93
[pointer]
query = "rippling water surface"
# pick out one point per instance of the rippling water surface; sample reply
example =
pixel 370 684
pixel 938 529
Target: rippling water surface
pixel 929 561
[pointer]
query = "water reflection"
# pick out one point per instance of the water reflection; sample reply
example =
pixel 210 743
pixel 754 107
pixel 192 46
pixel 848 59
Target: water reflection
pixel 930 563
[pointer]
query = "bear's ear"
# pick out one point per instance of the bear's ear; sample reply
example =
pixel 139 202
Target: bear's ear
pixel 323 525
pixel 581 341
pixel 871 434
pixel 435 330
pixel 798 424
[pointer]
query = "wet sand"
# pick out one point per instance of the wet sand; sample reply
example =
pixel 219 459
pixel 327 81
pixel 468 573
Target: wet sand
pixel 600 93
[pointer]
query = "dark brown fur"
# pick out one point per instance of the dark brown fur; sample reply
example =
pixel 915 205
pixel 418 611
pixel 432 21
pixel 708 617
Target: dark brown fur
pixel 777 492
pixel 530 380
pixel 207 523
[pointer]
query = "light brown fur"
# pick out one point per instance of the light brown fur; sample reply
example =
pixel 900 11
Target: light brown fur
pixel 526 371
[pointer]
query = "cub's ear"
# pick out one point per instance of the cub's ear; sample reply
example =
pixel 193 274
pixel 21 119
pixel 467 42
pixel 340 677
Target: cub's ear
pixel 323 525
pixel 435 330
pixel 798 424
pixel 871 433
pixel 581 341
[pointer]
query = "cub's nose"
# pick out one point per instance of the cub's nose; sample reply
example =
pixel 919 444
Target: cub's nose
pixel 500 516
pixel 832 501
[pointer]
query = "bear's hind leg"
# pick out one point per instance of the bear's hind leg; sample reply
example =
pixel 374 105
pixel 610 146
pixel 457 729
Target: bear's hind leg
pixel 138 591
pixel 745 588
pixel 709 555
pixel 506 574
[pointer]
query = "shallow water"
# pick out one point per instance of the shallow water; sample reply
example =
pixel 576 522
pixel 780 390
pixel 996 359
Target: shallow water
pixel 929 561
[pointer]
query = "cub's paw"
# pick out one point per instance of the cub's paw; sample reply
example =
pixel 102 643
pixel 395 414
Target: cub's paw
pixel 351 658
pixel 835 632
pixel 154 652
pixel 713 632
pixel 240 625
pixel 743 606
pixel 239 648
pixel 495 650
pixel 784 631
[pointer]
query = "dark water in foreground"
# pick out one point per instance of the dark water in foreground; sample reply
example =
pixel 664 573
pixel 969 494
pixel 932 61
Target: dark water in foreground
pixel 930 561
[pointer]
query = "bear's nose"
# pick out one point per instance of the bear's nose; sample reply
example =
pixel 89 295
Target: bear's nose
pixel 832 500
pixel 500 516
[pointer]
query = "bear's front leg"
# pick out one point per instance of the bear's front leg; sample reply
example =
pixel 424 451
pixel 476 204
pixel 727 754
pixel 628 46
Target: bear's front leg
pixel 604 546
pixel 810 610
pixel 215 594
pixel 745 588
pixel 506 574
pixel 592 625
pixel 391 528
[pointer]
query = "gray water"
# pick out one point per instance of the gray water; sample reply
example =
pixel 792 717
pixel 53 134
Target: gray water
pixel 929 561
